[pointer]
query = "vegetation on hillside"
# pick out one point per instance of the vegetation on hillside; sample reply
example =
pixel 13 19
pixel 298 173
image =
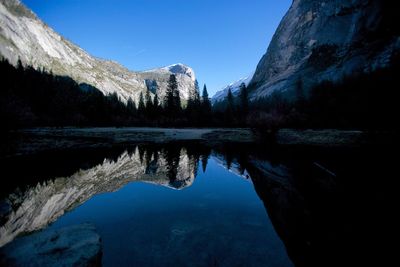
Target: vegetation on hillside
pixel 32 98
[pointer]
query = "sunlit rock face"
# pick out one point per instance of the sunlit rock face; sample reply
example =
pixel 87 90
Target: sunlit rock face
pixel 24 36
pixel 157 80
pixel 38 206
pixel 326 40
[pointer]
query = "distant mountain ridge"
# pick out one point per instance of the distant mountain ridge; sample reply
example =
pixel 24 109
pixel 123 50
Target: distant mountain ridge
pixel 24 36
pixel 235 89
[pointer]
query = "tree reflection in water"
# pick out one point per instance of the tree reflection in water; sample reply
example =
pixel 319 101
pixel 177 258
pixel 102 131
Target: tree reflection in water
pixel 309 194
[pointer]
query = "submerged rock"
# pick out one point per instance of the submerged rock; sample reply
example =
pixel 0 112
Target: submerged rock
pixel 78 245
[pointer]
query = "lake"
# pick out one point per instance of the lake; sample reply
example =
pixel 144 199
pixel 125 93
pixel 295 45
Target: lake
pixel 193 204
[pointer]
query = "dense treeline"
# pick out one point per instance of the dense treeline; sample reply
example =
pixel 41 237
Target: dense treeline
pixel 37 98
pixel 31 98
pixel 361 101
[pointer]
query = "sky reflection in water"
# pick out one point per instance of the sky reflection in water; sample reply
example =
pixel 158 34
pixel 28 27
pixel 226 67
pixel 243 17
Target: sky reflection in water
pixel 153 205
pixel 217 221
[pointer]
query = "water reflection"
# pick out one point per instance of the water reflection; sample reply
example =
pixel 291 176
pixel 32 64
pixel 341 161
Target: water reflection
pixel 174 167
pixel 308 197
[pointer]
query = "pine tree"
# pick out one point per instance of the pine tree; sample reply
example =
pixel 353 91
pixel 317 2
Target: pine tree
pixel 172 100
pixel 149 104
pixel 244 99
pixel 230 107
pixel 156 105
pixel 194 109
pixel 177 100
pixel 204 161
pixel 196 97
pixel 141 107
pixel 131 106
pixel 230 100
pixel 206 104
pixel 190 106
pixel 20 67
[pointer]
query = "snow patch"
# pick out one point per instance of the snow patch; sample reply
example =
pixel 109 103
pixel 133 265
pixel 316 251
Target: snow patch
pixel 235 87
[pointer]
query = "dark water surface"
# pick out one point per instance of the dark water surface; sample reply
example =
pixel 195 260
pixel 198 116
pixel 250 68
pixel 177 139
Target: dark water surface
pixel 187 204
pixel 217 220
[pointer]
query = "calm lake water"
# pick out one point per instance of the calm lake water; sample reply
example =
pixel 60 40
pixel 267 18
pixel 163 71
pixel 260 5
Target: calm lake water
pixel 217 219
pixel 186 204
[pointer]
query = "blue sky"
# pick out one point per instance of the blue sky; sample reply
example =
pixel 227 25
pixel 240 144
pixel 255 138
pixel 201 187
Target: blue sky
pixel 222 40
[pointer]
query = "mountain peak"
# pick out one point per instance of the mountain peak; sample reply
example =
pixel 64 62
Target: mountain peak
pixel 23 36
pixel 177 68
pixel 180 68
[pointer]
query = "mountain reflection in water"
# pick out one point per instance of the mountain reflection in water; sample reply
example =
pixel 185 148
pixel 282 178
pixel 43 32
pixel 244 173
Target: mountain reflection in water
pixel 306 203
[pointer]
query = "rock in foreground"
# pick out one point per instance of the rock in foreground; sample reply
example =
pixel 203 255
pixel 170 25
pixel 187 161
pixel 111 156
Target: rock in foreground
pixel 78 245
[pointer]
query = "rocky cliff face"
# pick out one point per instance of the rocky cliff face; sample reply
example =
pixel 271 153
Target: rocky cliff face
pixel 326 40
pixel 24 36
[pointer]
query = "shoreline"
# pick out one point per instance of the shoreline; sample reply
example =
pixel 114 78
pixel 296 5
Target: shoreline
pixel 31 141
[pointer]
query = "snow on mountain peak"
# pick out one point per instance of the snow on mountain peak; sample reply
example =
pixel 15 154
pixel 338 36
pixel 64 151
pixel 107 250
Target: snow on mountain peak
pixel 177 68
pixel 23 36
pixel 235 87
